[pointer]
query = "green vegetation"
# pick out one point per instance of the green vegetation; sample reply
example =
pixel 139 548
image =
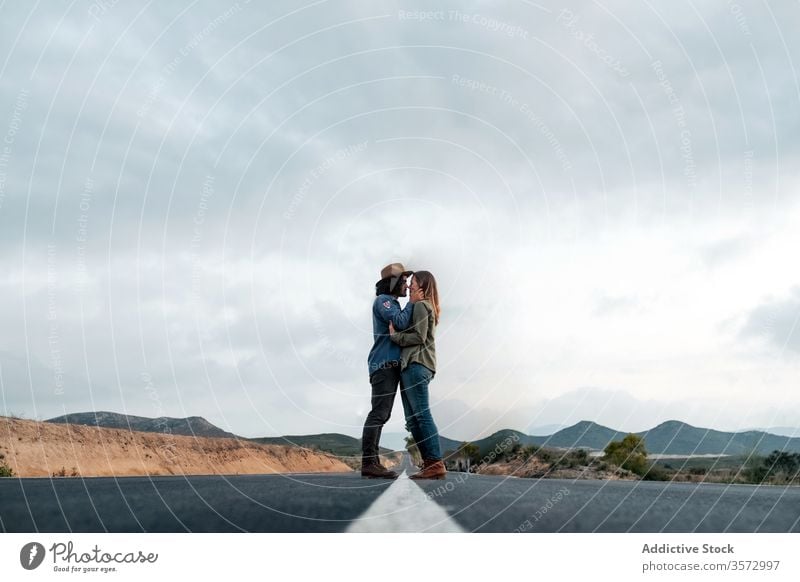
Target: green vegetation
pixel 469 451
pixel 465 454
pixel 629 453
pixel 776 468
pixel 572 459
pixel 337 444
pixel 5 470
pixel 779 468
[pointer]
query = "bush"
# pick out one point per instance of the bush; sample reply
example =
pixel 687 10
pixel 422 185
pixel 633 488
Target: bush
pixel 777 467
pixel 784 464
pixel 5 470
pixel 629 453
pixel 656 473
pixel 581 456
pixel 754 470
pixel 571 459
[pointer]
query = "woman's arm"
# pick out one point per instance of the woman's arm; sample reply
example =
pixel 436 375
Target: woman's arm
pixel 418 331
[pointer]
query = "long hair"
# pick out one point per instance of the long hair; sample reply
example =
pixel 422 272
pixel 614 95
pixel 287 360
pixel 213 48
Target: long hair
pixel 389 286
pixel 427 283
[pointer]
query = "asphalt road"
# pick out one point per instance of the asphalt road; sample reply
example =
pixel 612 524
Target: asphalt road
pixel 338 502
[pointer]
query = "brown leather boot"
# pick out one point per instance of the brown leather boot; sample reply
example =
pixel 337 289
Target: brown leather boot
pixel 377 471
pixel 432 469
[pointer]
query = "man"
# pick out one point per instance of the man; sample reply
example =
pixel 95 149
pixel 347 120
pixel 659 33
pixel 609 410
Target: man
pixel 384 364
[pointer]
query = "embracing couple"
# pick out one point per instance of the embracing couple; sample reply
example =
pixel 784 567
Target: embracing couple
pixel 404 353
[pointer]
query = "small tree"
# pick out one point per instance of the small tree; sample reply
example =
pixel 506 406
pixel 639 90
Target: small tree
pixel 629 453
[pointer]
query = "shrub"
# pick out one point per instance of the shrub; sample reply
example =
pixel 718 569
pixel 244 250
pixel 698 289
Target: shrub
pixel 777 467
pixel 784 464
pixel 528 451
pixel 581 456
pixel 5 470
pixel 754 470
pixel 656 473
pixel 629 453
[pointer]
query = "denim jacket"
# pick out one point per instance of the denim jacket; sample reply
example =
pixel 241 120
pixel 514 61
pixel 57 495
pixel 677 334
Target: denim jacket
pixel 386 308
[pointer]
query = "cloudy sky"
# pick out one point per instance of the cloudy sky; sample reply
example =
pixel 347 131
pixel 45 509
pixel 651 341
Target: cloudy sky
pixel 197 198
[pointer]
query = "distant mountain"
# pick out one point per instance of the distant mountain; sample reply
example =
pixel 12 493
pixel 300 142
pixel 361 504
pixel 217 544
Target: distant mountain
pixel 190 426
pixel 788 431
pixel 340 445
pixel 678 438
pixel 583 434
pixel 485 445
pixel 448 445
pixel 671 437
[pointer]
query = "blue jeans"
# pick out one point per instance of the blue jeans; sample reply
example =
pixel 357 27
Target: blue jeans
pixel 419 422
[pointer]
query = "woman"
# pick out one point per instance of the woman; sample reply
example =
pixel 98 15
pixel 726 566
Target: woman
pixel 418 366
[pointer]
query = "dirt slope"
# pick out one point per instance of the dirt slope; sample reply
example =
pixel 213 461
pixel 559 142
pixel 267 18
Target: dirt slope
pixel 40 449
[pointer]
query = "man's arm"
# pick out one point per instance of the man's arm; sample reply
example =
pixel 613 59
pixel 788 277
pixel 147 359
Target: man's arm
pixel 390 311
pixel 418 331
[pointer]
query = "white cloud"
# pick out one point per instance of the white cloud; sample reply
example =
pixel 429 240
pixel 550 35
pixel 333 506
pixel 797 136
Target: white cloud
pixel 588 228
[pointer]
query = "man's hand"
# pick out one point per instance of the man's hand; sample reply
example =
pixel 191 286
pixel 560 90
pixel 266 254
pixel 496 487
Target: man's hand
pixel 416 296
pixel 391 328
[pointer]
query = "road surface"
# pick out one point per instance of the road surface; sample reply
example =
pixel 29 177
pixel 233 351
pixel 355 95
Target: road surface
pixel 335 502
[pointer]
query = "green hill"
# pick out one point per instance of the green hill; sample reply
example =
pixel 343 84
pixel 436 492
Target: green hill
pixel 672 437
pixel 189 426
pixel 340 445
pixel 585 434
pixel 678 438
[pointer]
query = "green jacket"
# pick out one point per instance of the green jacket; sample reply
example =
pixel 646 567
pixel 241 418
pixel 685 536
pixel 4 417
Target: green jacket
pixel 418 340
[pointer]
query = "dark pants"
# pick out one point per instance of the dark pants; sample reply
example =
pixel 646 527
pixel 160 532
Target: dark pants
pixel 384 387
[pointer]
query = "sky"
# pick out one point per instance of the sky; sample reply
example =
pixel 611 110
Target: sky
pixel 196 199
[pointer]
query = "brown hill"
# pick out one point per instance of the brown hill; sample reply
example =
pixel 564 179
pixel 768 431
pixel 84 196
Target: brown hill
pixel 41 449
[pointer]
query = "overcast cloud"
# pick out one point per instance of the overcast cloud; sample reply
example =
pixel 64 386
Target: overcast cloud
pixel 197 198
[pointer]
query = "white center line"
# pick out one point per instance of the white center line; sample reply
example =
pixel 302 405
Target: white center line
pixel 403 507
